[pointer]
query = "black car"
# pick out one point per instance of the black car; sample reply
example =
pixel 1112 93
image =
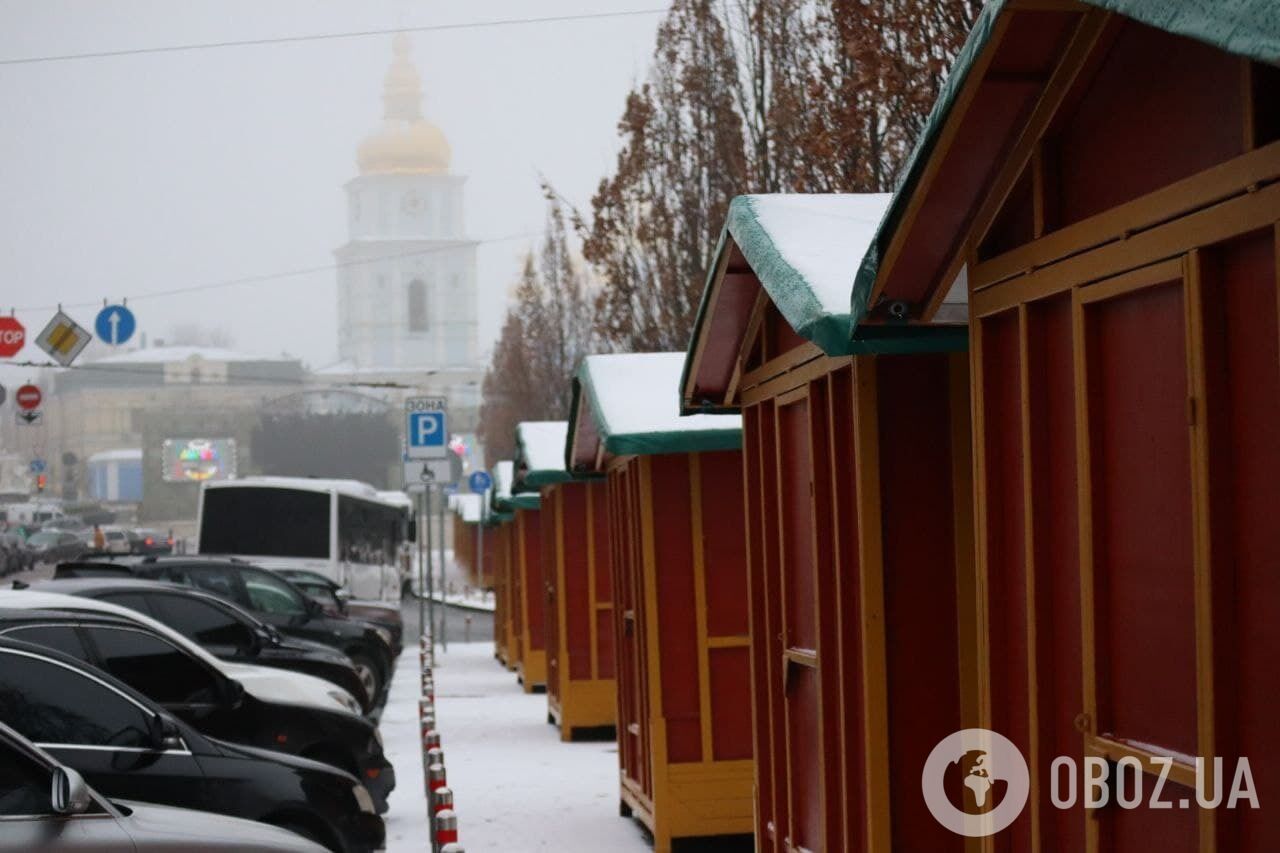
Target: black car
pixel 128 747
pixel 335 599
pixel 146 541
pixel 205 697
pixel 50 546
pixel 269 597
pixel 222 628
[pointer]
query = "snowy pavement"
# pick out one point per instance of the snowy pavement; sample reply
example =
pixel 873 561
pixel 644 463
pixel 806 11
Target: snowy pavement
pixel 516 786
pixel 406 818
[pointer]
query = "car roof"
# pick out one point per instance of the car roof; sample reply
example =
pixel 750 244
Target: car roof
pixel 73 586
pixel 76 586
pixel 10 616
pixel 31 599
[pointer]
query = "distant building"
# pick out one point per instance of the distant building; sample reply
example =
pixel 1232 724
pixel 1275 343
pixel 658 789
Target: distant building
pixel 106 406
pixel 407 301
pixel 115 476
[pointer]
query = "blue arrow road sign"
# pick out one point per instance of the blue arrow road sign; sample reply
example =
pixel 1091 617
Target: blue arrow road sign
pixel 115 324
pixel 479 481
pixel 37 466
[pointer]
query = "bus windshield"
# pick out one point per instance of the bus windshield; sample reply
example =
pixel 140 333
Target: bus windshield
pixel 265 522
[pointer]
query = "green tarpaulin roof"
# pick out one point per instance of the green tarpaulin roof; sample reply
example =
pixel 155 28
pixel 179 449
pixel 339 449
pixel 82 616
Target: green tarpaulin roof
pixel 634 402
pixel 1249 28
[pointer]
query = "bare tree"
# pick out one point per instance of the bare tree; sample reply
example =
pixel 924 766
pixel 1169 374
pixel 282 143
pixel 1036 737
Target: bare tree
pixel 754 96
pixel 547 332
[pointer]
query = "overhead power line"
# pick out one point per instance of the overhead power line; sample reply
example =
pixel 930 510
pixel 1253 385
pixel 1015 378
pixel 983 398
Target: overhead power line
pixel 309 379
pixel 273 276
pixel 426 28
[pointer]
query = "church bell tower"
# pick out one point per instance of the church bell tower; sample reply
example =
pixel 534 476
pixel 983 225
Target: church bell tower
pixel 407 274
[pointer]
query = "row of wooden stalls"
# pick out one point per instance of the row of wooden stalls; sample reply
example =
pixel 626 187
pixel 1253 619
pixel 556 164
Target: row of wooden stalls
pixel 997 451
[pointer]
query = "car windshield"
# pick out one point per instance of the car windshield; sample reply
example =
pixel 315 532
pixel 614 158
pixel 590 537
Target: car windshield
pixel 44 539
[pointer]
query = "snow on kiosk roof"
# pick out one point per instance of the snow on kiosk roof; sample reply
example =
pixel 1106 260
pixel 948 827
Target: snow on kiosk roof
pixel 467 506
pixel 800 253
pixel 503 499
pixel 540 455
pixel 628 404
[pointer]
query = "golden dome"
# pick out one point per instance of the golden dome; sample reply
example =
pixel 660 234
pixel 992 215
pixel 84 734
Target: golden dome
pixel 406 144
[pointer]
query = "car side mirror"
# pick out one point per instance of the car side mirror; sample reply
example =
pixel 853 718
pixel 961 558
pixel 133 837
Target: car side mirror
pixel 232 693
pixel 164 733
pixel 70 793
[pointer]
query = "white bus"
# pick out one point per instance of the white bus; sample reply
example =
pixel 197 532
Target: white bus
pixel 343 529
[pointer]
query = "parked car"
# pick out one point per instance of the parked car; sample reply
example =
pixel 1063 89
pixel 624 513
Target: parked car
pixel 117 539
pixel 15 554
pixel 222 628
pixel 51 546
pixel 127 746
pixel 45 804
pixel 337 601
pixel 259 706
pixel 148 541
pixel 269 597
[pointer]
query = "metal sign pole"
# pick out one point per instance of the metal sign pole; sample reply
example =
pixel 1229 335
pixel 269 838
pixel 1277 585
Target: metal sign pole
pixel 444 596
pixel 431 598
pixel 423 524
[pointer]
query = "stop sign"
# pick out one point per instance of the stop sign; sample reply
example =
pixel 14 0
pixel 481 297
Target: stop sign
pixel 28 397
pixel 12 336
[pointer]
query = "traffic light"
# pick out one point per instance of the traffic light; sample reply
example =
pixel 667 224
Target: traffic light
pixel 42 480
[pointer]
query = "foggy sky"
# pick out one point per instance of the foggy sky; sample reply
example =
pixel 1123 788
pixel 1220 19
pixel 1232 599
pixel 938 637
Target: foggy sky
pixel 124 175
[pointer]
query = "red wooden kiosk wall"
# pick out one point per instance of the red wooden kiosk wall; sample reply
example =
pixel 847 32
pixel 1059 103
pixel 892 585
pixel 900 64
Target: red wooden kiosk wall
pixel 679 581
pixel 504 616
pixel 862 602
pixel 1128 468
pixel 529 597
pixel 575 561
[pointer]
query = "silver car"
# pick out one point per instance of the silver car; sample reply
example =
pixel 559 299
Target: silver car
pixel 44 806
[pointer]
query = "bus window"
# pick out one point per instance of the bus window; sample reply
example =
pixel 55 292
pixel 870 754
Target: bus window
pixel 266 522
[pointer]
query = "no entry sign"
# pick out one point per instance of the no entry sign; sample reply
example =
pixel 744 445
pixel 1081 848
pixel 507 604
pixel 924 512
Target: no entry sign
pixel 12 336
pixel 28 397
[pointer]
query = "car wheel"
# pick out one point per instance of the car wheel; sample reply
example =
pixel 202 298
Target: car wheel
pixel 370 675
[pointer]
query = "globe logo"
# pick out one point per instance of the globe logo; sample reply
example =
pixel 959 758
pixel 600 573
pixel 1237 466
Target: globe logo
pixel 975 782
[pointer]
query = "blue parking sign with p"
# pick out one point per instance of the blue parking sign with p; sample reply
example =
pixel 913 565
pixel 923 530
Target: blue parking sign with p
pixel 426 430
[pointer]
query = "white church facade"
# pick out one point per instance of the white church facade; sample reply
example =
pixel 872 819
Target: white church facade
pixel 407 296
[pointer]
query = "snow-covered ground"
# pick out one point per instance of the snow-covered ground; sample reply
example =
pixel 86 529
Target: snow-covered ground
pixel 516 787
pixel 406 818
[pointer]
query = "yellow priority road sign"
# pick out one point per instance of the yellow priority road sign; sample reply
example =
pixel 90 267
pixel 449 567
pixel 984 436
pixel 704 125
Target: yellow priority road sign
pixel 63 339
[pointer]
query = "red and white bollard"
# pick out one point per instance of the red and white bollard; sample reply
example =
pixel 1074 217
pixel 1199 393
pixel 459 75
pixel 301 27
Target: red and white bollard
pixel 435 778
pixel 446 827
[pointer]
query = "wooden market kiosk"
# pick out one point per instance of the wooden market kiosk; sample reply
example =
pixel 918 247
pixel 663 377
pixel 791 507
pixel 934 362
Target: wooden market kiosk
pixel 501 517
pixel 526 642
pixel 575 561
pixel 503 632
pixel 857 460
pixel 469 525
pixel 674 490
pixel 1106 180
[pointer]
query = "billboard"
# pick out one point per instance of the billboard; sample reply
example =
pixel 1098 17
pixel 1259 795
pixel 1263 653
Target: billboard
pixel 198 460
